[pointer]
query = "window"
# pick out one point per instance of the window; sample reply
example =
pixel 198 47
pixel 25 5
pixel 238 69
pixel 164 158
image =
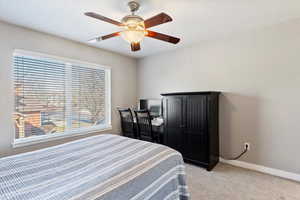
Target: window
pixel 56 97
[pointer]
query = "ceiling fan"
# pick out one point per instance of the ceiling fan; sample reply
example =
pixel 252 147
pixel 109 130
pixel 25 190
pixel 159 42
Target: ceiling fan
pixel 135 28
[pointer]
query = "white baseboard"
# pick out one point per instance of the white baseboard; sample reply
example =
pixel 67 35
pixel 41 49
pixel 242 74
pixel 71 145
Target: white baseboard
pixel 263 169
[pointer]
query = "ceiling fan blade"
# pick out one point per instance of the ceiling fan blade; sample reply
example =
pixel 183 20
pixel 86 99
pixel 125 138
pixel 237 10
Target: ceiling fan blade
pixel 98 39
pixel 163 37
pixel 135 46
pixel 100 17
pixel 157 20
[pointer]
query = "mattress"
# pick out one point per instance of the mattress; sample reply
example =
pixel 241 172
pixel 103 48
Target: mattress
pixel 103 167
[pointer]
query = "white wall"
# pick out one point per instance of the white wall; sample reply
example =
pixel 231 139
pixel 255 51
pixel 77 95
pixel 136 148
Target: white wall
pixel 13 37
pixel 259 75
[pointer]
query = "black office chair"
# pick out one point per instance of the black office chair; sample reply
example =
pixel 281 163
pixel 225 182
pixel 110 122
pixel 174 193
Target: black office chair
pixel 127 123
pixel 144 126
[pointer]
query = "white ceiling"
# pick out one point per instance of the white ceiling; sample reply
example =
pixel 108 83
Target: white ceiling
pixel 193 20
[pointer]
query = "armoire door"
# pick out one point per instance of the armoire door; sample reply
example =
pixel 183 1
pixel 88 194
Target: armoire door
pixel 195 132
pixel 173 116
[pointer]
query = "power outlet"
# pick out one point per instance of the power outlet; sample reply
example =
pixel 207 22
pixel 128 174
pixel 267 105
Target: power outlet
pixel 247 146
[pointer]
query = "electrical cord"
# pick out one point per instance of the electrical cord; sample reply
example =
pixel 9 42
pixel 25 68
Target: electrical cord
pixel 237 157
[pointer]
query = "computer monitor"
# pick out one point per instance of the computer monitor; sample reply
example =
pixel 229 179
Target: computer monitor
pixel 153 105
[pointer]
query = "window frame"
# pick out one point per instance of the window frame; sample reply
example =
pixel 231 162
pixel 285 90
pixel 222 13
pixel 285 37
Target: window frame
pixel 76 132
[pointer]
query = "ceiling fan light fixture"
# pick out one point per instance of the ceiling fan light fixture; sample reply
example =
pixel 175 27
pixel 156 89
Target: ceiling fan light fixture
pixel 133 29
pixel 131 36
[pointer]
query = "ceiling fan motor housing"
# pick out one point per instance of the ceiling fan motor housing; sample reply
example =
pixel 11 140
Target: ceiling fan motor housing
pixel 130 19
pixel 133 21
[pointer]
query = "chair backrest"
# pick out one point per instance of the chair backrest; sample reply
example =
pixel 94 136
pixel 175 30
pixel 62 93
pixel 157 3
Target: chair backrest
pixel 127 122
pixel 144 125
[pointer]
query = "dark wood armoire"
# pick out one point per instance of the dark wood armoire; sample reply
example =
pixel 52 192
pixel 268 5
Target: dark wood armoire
pixel 191 126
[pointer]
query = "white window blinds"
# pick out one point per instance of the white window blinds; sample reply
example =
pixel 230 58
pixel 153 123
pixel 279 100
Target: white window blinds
pixel 54 97
pixel 88 97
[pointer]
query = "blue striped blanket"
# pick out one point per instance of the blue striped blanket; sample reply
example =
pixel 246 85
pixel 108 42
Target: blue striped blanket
pixel 103 167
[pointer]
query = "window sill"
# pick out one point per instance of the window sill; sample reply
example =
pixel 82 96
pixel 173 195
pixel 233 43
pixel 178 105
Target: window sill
pixel 55 136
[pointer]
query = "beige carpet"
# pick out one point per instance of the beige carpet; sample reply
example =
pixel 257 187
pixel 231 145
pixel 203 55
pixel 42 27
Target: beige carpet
pixel 226 182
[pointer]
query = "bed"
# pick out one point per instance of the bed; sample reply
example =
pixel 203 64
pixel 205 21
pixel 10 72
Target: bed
pixel 103 167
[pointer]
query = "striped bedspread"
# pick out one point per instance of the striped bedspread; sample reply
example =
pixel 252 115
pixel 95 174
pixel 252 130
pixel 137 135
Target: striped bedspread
pixel 104 167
